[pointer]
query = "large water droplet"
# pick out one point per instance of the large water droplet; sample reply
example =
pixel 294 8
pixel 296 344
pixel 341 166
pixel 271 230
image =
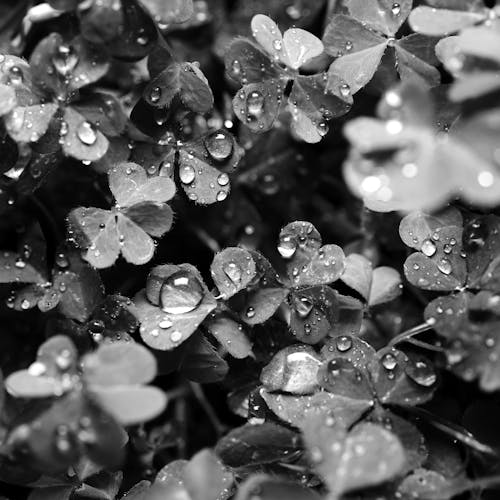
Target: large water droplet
pixel 233 272
pixel 428 248
pixel 219 145
pixel 396 9
pixel 187 174
pixel 343 343
pixel 255 103
pixel 287 247
pixel 303 306
pixel 64 60
pixel 15 75
pixel 389 361
pixel 181 293
pixel 422 373
pixel 444 265
pixel 86 133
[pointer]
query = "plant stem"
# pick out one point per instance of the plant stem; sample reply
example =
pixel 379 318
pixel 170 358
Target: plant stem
pixel 199 394
pixel 423 327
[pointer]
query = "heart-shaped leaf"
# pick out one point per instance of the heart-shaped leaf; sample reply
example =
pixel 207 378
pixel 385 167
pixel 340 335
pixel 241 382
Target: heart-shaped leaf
pixel 366 456
pixel 293 370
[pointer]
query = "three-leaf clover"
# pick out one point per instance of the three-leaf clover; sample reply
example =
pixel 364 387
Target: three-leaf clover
pixel 269 74
pixel 361 39
pixel 140 212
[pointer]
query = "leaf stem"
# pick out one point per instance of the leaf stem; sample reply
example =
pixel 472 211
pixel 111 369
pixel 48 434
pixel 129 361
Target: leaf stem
pixel 402 337
pixel 455 431
pixel 200 396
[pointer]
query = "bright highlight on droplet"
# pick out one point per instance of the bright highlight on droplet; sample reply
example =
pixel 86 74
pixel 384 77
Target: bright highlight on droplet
pixel 394 127
pixel 485 179
pixel 371 184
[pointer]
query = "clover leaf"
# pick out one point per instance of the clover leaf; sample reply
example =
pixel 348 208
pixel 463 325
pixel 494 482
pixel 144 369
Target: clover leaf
pixel 359 42
pixel 394 157
pixel 265 74
pixel 365 456
pixel 173 305
pixel 140 211
pixel 448 18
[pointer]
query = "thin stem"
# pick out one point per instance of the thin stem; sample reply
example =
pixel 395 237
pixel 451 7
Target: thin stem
pixel 199 394
pixel 453 430
pixel 424 327
pixel 425 345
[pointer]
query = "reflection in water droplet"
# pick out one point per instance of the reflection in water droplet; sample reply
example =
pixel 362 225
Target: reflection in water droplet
pixel 65 60
pixel 422 373
pixel 233 272
pixel 303 306
pixel 428 248
pixel 396 9
pixel 444 265
pixel 287 247
pixel 15 75
pixel 389 361
pixel 187 174
pixel 219 145
pixel 343 343
pixel 181 293
pixel 155 95
pixel 255 104
pixel 86 133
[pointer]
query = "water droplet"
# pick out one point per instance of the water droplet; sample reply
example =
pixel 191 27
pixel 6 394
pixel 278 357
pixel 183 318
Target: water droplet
pixel 444 265
pixel 348 46
pixel 155 94
pixel 96 327
pixel 86 133
pixel 396 9
pixel 20 263
pixel 287 247
pixel 277 44
pixel 345 89
pixel 65 60
pixel 221 196
pixel 389 361
pixel 165 323
pixel 219 145
pixel 343 343
pixel 187 174
pixel 64 359
pixel 255 103
pixel 422 373
pixel 250 313
pixel 181 293
pixel 223 179
pixel 15 75
pixel 233 272
pixel 176 336
pixel 428 248
pixel 37 369
pixel 303 306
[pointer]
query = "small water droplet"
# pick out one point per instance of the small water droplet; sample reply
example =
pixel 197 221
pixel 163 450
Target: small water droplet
pixel 287 247
pixel 187 174
pixel 343 343
pixel 219 145
pixel 389 361
pixel 255 104
pixel 396 9
pixel 65 60
pixel 155 95
pixel 444 265
pixel 86 133
pixel 233 272
pixel 303 306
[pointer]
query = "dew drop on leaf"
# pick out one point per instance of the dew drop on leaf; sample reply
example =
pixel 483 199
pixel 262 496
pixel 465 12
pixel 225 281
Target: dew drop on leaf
pixel 396 9
pixel 233 272
pixel 345 90
pixel 223 179
pixel 255 103
pixel 221 195
pixel 86 133
pixel 219 145
pixel 343 343
pixel 422 373
pixel 303 306
pixel 155 94
pixel 15 75
pixel 389 361
pixel 176 336
pixel 444 265
pixel 277 44
pixel 165 323
pixel 428 248
pixel 65 60
pixel 187 174
pixel 181 293
pixel 287 247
